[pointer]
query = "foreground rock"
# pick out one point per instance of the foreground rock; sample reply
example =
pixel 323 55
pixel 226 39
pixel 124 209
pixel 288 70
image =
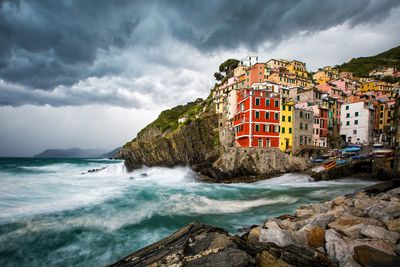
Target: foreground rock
pixel 345 231
pixel 203 245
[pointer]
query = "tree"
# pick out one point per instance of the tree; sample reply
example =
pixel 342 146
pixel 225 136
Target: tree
pixel 228 66
pixel 218 76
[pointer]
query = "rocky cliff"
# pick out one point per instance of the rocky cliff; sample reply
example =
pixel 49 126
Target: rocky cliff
pixel 195 142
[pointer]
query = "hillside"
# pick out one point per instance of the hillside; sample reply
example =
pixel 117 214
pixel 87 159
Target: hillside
pixel 363 65
pixel 71 153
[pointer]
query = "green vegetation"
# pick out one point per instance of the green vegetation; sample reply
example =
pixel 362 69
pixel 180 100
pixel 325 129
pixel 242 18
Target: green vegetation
pixel 363 65
pixel 168 119
pixel 226 70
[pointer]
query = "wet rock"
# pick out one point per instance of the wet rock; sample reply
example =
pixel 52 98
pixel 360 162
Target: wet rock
pixel 367 256
pixel 277 236
pixel 335 246
pixel 266 259
pixel 229 257
pixel 378 232
pixel 316 237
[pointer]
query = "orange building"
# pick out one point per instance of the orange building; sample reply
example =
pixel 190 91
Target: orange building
pixel 256 122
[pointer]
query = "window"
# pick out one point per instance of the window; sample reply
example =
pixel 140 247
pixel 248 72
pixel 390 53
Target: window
pixel 354 131
pixel 257 101
pixel 289 118
pixel 290 108
pixel 356 122
pixel 283 107
pixel 242 107
pixel 306 126
pixel 301 125
pixel 266 128
pixel 283 129
pixel 381 108
pixel 276 116
pixel 347 123
pixel 257 128
pixel 381 115
pixel 276 129
pixel 347 107
pixel 290 130
pixel 267 102
pixel 283 118
pixel 356 114
pixel 301 140
pixel 301 114
pixel 257 114
pixel 347 115
pixel 276 103
pixel 267 115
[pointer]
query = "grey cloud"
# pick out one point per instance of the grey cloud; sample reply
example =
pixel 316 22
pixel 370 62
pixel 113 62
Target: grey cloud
pixel 49 44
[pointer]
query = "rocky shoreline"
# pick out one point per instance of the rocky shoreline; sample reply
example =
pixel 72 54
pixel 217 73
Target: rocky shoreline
pixel 359 229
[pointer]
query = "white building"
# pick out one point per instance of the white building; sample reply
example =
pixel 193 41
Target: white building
pixel 249 61
pixel 357 122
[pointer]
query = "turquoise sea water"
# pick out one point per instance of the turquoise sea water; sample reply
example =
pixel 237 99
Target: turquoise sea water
pixel 53 215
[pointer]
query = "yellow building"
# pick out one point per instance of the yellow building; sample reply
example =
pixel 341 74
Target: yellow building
pixel 288 80
pixel 287 127
pixel 369 86
pixel 297 68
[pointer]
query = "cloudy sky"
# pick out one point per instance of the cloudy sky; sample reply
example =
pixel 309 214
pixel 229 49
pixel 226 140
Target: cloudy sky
pixel 93 73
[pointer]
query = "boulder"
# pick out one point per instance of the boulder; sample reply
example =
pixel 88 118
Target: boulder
pixel 394 192
pixel 342 201
pixel 352 225
pixel 316 237
pixel 363 203
pixel 277 236
pixel 271 224
pixel 322 220
pixel 288 225
pixel 229 257
pixel 397 249
pixel 381 245
pixel 254 234
pixel 367 256
pixel 335 246
pixel 266 259
pixel 304 213
pixel 377 232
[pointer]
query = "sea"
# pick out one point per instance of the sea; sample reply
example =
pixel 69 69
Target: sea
pixel 53 212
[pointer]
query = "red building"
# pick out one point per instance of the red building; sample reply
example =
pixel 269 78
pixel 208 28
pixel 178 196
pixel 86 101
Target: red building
pixel 323 114
pixel 256 121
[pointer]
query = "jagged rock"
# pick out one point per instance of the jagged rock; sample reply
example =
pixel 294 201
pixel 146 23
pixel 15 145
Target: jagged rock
pixel 378 232
pixel 397 249
pixel 229 257
pixel 321 220
pixel 271 224
pixel 266 259
pixel 394 192
pixel 367 256
pixel 393 225
pixel 381 245
pixel 342 201
pixel 351 225
pixel 316 237
pixel 304 213
pixel 335 246
pixel 277 236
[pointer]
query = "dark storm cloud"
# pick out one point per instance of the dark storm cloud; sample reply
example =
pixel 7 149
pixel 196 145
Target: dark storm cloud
pixel 46 44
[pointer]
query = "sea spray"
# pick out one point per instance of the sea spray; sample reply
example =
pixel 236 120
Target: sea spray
pixel 52 215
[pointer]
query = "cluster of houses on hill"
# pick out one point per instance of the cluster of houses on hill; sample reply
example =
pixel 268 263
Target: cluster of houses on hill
pixel 280 104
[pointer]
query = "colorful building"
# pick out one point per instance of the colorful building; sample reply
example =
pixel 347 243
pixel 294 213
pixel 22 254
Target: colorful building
pixel 287 127
pixel 256 123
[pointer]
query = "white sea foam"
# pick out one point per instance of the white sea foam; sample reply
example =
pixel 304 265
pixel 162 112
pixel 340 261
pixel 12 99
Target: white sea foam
pixel 192 204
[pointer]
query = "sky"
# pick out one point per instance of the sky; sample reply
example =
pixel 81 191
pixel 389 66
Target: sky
pixel 92 73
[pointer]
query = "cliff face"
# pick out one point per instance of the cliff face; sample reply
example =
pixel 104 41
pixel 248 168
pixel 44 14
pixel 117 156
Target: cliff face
pixel 196 144
pixel 188 145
